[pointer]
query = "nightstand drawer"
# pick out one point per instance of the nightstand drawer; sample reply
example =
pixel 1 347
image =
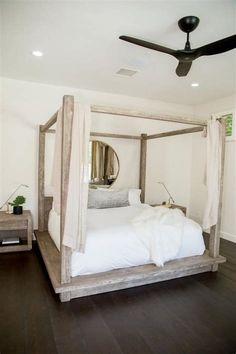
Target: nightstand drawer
pixel 14 225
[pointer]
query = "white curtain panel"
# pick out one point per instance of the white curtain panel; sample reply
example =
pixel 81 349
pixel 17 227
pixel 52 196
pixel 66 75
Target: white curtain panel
pixel 56 170
pixel 77 198
pixel 213 172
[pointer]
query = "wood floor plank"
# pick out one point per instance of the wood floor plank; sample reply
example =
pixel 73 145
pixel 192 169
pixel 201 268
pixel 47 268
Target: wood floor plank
pixel 220 284
pixel 159 325
pixel 97 336
pixel 65 332
pixel 123 324
pixel 24 317
pixel 12 331
pixel 211 319
pixel 67 336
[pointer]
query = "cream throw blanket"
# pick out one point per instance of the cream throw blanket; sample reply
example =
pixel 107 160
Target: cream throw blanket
pixel 161 230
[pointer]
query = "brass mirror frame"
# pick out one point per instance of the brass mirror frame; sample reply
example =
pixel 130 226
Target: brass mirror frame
pixel 94 185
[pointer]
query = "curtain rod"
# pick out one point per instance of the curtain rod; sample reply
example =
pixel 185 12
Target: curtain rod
pixel 107 135
pixel 131 113
pixel 176 132
pixel 152 116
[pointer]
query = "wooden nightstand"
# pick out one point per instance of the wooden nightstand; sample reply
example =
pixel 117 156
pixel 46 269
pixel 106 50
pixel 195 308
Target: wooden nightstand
pixel 16 225
pixel 174 206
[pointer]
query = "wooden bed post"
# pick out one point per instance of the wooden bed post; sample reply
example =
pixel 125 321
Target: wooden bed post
pixel 142 168
pixel 67 119
pixel 214 242
pixel 41 161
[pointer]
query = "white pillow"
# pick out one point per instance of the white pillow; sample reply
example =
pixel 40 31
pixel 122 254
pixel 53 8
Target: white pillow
pixel 97 199
pixel 134 195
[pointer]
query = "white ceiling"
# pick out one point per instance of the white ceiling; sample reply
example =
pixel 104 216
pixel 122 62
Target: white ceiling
pixel 81 48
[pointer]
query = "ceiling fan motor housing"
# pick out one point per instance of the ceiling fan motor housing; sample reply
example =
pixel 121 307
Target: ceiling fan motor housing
pixel 188 24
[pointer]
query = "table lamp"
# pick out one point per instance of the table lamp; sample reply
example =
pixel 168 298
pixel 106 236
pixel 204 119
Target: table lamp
pixel 168 204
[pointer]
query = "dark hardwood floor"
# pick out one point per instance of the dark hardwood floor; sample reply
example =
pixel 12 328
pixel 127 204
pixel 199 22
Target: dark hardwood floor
pixel 192 315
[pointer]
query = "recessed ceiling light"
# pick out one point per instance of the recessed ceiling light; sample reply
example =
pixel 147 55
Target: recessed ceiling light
pixel 37 53
pixel 195 84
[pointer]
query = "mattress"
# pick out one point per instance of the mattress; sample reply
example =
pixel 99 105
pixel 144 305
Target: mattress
pixel 112 242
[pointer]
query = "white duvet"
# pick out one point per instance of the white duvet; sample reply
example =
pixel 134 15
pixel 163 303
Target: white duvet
pixel 132 236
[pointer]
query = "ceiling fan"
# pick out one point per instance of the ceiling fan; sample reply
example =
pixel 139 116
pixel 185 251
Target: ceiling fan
pixel 187 55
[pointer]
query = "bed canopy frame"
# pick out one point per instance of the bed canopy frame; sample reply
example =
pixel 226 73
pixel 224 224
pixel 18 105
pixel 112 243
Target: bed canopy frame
pixel 58 263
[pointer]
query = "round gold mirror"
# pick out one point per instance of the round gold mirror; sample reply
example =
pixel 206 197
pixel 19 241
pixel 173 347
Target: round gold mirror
pixel 103 165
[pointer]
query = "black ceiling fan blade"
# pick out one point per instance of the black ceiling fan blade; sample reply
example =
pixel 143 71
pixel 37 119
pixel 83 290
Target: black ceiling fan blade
pixel 221 46
pixel 183 68
pixel 148 45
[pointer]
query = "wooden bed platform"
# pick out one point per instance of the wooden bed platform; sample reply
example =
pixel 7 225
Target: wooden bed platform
pixel 85 285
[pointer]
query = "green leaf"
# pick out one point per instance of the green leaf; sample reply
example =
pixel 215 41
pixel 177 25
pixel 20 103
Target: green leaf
pixel 18 201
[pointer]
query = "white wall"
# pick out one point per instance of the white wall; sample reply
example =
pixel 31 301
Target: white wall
pixel 198 192
pixel 1 106
pixel 198 188
pixel 26 105
pixel 1 138
pixel 169 160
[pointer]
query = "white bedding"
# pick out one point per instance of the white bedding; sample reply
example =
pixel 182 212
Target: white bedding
pixel 113 241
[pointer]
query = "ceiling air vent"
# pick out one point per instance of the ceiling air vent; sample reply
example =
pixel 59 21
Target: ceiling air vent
pixel 126 72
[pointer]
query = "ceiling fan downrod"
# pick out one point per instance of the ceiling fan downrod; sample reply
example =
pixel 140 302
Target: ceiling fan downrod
pixel 187 44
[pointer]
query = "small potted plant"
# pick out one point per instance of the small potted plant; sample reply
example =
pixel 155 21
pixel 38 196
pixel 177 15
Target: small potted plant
pixel 17 204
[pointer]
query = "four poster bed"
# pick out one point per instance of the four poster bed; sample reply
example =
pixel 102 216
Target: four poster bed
pixel 58 260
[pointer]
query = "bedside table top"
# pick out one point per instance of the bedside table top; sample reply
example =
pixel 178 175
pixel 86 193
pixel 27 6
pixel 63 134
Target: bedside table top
pixel 12 217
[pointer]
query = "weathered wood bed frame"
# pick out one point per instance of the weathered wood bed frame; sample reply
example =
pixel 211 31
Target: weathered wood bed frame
pixel 58 263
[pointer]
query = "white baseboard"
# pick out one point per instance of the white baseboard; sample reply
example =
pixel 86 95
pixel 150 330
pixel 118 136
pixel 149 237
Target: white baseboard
pixel 227 236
